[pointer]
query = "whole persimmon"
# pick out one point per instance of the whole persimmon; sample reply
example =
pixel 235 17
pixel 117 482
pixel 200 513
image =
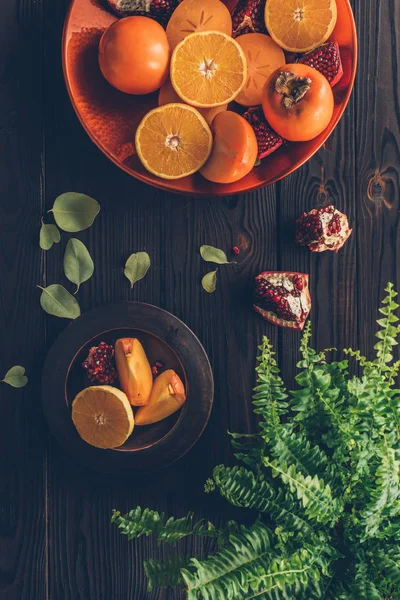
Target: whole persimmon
pixel 298 102
pixel 234 150
pixel 134 55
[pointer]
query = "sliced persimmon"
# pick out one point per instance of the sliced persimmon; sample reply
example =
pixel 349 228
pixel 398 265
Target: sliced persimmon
pixel 198 15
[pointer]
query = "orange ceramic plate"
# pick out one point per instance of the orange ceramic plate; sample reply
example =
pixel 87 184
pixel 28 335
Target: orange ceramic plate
pixel 111 117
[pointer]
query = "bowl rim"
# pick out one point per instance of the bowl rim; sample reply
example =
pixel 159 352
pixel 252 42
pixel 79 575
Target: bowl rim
pixel 180 339
pixel 168 185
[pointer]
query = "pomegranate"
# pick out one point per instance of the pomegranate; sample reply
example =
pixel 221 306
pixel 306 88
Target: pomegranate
pixel 325 59
pixel 99 365
pixel 159 10
pixel 283 298
pixel 248 17
pixel 268 140
pixel 323 229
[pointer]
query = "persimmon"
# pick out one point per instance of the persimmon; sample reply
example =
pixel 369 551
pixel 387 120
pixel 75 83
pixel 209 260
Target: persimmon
pixel 134 55
pixel 298 102
pixel 263 56
pixel 234 150
pixel 192 16
pixel 168 95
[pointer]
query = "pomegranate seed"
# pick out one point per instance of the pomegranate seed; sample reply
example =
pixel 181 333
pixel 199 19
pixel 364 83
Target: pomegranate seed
pixel 235 250
pixel 99 365
pixel 325 59
pixel 268 140
pixel 322 229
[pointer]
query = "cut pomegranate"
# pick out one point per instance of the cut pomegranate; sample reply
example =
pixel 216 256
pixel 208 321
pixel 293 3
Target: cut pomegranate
pixel 323 229
pixel 325 59
pixel 268 140
pixel 99 365
pixel 159 10
pixel 283 298
pixel 248 17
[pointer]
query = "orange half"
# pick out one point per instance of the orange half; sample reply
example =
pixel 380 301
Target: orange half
pixel 173 141
pixel 300 25
pixel 208 69
pixel 103 416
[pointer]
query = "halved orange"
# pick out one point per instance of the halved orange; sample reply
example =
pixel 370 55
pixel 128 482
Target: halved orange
pixel 300 25
pixel 103 416
pixel 173 141
pixel 208 69
pixel 168 95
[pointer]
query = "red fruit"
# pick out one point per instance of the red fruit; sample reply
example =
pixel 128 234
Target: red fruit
pixel 283 298
pixel 322 229
pixel 268 140
pixel 235 250
pixel 99 365
pixel 325 59
pixel 248 17
pixel 159 10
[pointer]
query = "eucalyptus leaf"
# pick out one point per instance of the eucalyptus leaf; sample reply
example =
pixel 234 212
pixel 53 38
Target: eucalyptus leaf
pixel 74 212
pixel 209 281
pixel 49 235
pixel 137 266
pixel 215 255
pixel 16 377
pixel 78 264
pixel 55 300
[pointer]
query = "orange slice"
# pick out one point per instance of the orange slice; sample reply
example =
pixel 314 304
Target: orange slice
pixel 198 15
pixel 208 69
pixel 103 416
pixel 173 141
pixel 300 25
pixel 263 57
pixel 168 95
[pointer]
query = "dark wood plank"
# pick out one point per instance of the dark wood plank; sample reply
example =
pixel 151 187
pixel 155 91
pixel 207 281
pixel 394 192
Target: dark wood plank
pixel 23 437
pixel 377 159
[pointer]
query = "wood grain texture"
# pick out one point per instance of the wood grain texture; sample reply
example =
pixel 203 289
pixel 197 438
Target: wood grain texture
pixel 23 437
pixel 44 152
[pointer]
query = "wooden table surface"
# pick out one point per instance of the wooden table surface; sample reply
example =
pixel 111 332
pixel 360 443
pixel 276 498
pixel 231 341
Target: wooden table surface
pixel 55 537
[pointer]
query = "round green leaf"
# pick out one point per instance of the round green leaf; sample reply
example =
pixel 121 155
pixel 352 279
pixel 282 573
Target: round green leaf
pixel 55 300
pixel 215 255
pixel 16 377
pixel 137 266
pixel 209 281
pixel 78 264
pixel 75 212
pixel 49 235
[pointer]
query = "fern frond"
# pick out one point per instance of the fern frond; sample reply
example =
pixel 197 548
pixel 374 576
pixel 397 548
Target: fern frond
pixel 249 448
pixel 167 573
pixel 247 569
pixel 388 563
pixel 146 522
pixel 384 493
pixel 363 587
pixel 316 497
pixel 387 335
pixel 241 488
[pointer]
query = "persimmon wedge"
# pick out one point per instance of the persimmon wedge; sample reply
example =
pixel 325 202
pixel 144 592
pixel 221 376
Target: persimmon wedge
pixel 168 396
pixel 134 371
pixel 191 16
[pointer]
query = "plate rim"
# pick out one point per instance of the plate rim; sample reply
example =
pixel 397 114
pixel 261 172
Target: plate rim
pixel 168 185
pixel 177 335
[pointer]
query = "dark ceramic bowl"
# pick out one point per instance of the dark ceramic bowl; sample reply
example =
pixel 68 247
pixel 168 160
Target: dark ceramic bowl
pixel 111 117
pixel 165 338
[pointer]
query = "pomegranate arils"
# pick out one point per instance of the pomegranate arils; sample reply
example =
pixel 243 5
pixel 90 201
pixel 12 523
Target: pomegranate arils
pixel 325 59
pixel 248 17
pixel 159 10
pixel 268 140
pixel 99 365
pixel 235 250
pixel 322 229
pixel 283 298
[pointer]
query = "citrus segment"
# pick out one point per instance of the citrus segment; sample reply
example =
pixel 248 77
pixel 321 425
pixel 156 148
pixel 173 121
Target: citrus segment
pixel 168 95
pixel 195 15
pixel 208 69
pixel 300 25
pixel 263 56
pixel 173 141
pixel 103 416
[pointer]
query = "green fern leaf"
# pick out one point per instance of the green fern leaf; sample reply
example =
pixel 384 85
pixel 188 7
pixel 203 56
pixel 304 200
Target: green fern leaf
pixel 167 573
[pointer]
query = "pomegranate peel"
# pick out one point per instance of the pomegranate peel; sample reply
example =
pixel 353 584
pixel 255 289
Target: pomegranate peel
pixel 325 59
pixel 323 229
pixel 283 298
pixel 159 10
